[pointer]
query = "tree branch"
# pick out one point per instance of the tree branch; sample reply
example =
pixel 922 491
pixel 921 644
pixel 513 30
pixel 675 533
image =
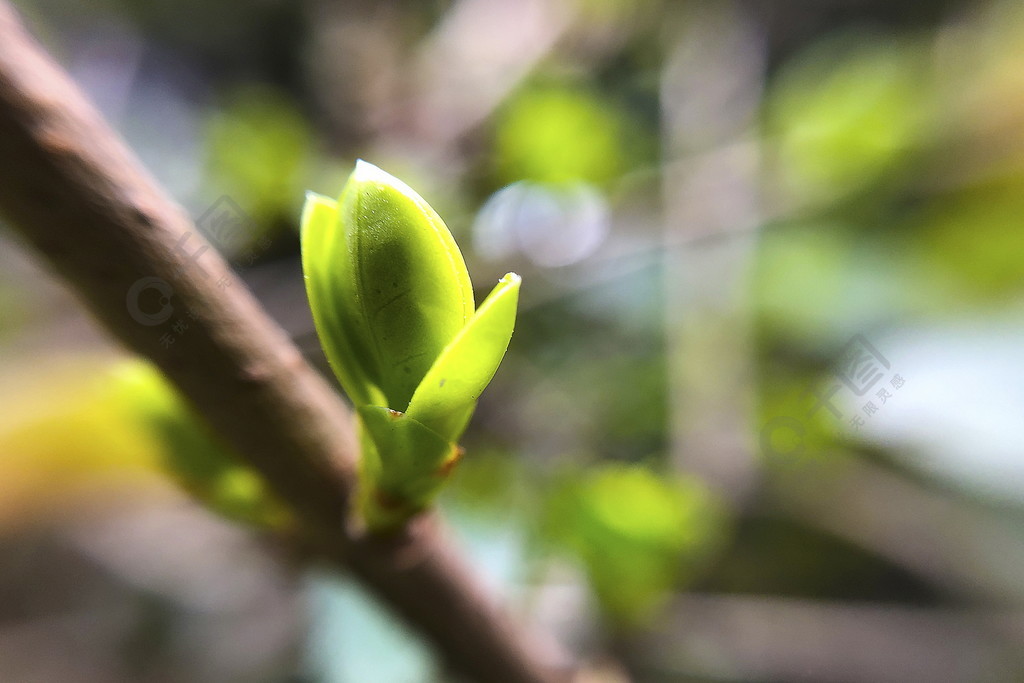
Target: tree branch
pixel 78 195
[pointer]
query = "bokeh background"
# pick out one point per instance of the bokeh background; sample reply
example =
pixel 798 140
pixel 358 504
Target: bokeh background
pixel 761 419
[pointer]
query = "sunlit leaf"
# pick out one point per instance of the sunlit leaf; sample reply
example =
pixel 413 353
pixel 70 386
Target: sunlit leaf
pixel 468 363
pixel 346 349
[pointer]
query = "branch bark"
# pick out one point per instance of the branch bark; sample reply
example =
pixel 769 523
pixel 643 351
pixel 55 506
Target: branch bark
pixel 78 195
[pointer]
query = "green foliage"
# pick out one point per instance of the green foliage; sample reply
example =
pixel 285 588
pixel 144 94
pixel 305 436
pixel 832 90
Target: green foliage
pixel 259 153
pixel 393 305
pixel 467 364
pixel 638 535
pixel 846 113
pixel 62 437
pixel 98 427
pixel 975 238
pixel 561 135
pixel 188 452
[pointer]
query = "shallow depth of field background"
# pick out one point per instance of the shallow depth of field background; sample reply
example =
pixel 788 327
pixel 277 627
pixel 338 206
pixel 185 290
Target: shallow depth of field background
pixel 761 419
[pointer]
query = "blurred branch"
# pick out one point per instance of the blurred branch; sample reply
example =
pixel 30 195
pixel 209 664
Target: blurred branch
pixel 477 55
pixel 793 639
pixel 710 91
pixel 79 196
pixel 953 544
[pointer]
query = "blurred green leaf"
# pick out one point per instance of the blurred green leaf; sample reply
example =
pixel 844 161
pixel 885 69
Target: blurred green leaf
pixel 847 111
pixel 102 425
pixel 975 238
pixel 638 535
pixel 260 153
pixel 562 135
pixel 204 466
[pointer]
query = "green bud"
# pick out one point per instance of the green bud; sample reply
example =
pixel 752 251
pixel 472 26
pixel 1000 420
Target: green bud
pixel 393 306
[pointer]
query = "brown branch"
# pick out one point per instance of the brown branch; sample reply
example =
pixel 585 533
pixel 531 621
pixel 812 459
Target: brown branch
pixel 78 195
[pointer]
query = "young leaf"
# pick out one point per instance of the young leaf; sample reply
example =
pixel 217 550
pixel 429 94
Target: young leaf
pixel 402 268
pixel 346 349
pixel 465 367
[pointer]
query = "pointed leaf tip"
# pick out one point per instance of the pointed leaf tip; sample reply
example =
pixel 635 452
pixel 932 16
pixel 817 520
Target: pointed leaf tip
pixel 466 366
